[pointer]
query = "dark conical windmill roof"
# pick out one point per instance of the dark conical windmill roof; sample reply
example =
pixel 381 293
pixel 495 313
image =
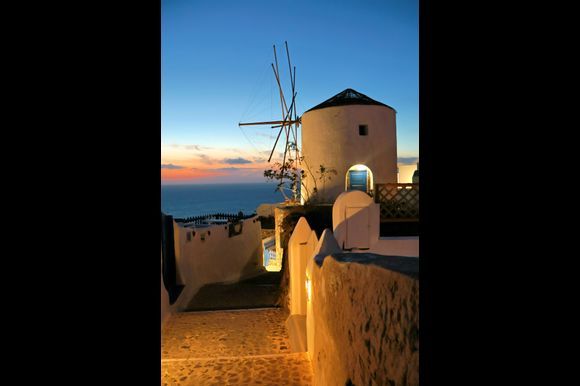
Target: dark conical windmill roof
pixel 348 97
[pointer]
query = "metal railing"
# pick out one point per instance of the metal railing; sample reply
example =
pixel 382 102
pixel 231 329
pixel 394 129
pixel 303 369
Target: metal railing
pixel 201 219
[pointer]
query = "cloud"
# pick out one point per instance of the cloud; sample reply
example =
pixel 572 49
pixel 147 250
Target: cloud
pixel 225 169
pixel 204 158
pixel 190 147
pixel 171 166
pixel 407 160
pixel 236 161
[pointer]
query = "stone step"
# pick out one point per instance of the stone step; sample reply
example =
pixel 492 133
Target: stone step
pixel 235 347
pixel 225 333
pixel 277 369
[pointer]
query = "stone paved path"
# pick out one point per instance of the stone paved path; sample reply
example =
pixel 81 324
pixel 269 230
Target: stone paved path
pixel 242 347
pixel 258 292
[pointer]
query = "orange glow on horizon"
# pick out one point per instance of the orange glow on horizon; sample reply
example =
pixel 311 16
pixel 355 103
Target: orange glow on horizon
pixel 180 165
pixel 186 174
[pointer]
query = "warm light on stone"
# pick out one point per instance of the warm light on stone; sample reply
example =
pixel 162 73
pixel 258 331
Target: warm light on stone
pixel 308 289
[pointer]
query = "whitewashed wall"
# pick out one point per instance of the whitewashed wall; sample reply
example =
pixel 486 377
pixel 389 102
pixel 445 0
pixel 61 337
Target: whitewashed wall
pixel 216 259
pixel 356 226
pixel 397 246
pixel 406 173
pixel 330 137
pixel 300 248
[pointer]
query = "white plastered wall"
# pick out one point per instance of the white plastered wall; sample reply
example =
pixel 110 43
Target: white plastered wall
pixel 300 248
pixel 350 212
pixel 406 173
pixel 216 259
pixel 330 137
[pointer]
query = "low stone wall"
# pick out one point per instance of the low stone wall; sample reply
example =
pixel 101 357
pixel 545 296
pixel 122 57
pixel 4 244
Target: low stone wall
pixel 363 320
pixel 211 255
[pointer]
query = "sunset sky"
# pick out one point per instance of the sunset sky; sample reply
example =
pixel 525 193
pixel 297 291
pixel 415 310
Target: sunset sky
pixel 215 72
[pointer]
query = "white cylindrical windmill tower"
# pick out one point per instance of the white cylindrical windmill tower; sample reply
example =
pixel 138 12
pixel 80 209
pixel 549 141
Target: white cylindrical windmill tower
pixel 353 135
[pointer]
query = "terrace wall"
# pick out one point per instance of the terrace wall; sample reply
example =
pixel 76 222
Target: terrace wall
pixel 363 319
pixel 356 225
pixel 212 256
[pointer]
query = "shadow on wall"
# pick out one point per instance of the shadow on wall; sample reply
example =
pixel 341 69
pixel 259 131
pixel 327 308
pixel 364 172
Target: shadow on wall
pixel 355 220
pixel 356 227
pixel 165 306
pixel 168 261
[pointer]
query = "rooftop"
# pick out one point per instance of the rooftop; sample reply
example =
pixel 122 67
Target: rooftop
pixel 349 97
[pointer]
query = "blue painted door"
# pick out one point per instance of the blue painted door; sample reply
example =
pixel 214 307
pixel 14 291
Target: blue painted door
pixel 357 180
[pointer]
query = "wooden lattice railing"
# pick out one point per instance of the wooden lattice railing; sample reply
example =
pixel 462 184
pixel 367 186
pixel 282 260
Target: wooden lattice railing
pixel 399 202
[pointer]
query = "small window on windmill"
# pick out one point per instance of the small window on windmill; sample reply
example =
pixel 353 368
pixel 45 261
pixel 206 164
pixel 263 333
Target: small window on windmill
pixel 363 130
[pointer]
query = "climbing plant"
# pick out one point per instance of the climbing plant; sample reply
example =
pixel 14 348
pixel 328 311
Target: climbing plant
pixel 290 176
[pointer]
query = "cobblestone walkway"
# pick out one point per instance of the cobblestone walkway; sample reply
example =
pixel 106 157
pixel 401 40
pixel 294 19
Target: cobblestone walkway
pixel 245 347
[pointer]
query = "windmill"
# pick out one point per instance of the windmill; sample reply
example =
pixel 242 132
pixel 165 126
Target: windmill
pixel 290 120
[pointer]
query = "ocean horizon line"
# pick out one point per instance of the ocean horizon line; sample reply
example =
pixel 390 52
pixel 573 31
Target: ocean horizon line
pixel 218 183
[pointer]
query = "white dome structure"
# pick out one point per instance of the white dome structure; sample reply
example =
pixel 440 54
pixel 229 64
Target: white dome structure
pixel 353 135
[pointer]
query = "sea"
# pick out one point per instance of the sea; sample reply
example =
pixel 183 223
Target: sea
pixel 182 201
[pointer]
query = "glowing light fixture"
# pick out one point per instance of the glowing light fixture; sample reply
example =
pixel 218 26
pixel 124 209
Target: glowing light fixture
pixel 358 167
pixel 308 288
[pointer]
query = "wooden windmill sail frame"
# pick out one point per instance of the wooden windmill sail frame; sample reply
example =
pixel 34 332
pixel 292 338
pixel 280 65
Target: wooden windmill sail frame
pixel 290 120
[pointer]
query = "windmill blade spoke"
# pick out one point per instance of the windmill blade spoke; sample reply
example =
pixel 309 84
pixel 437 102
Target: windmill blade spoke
pixel 293 85
pixel 284 124
pixel 282 99
pixel 288 135
pixel 276 60
pixel 289 66
pixel 277 74
pixel 285 150
pixel 275 143
pixel 288 117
